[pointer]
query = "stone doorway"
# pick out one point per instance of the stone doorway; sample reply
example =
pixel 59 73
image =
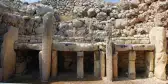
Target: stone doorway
pixel 67 63
pixel 123 64
pixel 27 63
pixel 89 62
pixel 140 64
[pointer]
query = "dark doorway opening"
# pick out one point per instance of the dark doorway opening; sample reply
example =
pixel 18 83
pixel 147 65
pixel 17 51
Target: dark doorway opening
pixel 67 62
pixel 27 63
pixel 167 70
pixel 140 64
pixel 123 64
pixel 67 65
pixel 89 62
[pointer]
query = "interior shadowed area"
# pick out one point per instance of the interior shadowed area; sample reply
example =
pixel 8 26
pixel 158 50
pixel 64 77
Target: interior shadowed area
pixel 27 62
pixel 123 64
pixel 140 64
pixel 89 62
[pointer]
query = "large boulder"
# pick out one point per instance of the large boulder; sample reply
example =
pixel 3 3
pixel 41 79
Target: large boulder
pixel 101 16
pixel 80 11
pixel 43 9
pixel 120 23
pixel 29 9
pixel 91 12
pixel 77 23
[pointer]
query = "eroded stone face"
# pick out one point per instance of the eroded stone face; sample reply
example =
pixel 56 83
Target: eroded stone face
pixel 160 43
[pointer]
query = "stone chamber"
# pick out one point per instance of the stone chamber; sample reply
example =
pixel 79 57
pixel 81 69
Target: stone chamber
pixel 84 40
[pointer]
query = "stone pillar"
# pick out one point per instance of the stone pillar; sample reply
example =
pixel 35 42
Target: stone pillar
pixel 40 63
pixel 149 63
pixel 8 55
pixel 115 65
pixel 80 67
pixel 103 64
pixel 157 37
pixel 109 63
pixel 96 64
pixel 47 45
pixel 54 65
pixel 131 65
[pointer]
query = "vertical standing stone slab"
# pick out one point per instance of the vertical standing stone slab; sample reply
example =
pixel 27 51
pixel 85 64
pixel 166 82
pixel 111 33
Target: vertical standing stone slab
pixel 40 63
pixel 103 64
pixel 157 37
pixel 54 64
pixel 109 63
pixel 8 55
pixel 115 65
pixel 149 63
pixel 131 65
pixel 96 64
pixel 80 67
pixel 46 45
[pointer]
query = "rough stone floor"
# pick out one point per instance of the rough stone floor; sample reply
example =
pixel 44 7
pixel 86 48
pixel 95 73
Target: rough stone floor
pixel 71 79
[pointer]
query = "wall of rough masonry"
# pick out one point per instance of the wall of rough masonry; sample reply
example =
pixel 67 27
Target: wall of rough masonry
pixel 92 21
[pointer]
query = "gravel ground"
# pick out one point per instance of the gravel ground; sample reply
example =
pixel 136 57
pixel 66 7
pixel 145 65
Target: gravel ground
pixel 122 81
pixel 89 79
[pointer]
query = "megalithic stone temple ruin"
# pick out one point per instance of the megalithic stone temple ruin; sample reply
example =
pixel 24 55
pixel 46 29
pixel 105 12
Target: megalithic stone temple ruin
pixel 106 40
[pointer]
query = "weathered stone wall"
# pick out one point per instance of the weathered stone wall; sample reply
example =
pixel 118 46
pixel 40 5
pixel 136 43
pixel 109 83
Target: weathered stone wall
pixel 139 63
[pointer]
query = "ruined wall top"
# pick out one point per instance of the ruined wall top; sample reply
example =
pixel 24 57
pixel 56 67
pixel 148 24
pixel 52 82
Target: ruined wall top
pixel 90 22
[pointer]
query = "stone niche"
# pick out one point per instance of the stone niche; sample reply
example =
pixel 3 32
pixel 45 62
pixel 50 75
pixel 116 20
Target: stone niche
pixel 89 62
pixel 140 64
pixel 135 60
pixel 123 63
pixel 67 62
pixel 27 63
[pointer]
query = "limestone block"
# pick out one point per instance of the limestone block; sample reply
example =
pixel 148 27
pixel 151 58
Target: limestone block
pixel 101 16
pixel 109 61
pixel 40 63
pixel 144 41
pixel 120 23
pixel 77 23
pixel 54 61
pixel 8 54
pixel 115 65
pixel 80 66
pixel 71 46
pixel 43 9
pixel 157 37
pixel 160 63
pixel 48 20
pixel 131 70
pixel 123 47
pixel 143 47
pixel 132 55
pixel 80 53
pixel 150 61
pixel 91 12
pixel 96 64
pixel 150 74
pixel 158 40
pixel 128 41
pixel 103 65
